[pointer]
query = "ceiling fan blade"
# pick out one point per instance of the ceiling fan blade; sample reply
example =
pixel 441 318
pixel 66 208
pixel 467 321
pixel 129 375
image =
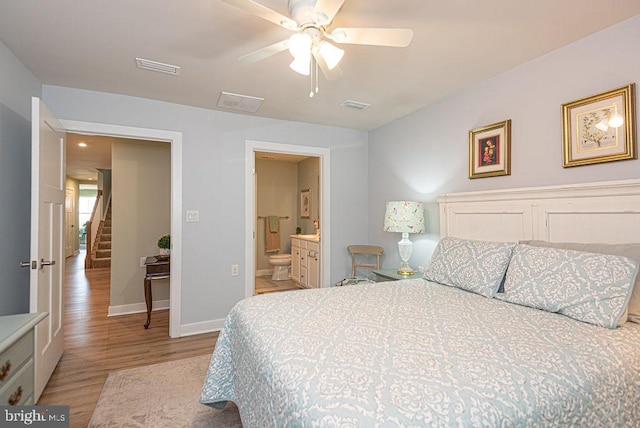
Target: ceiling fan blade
pixel 326 10
pixel 333 74
pixel 394 37
pixel 264 13
pixel 265 52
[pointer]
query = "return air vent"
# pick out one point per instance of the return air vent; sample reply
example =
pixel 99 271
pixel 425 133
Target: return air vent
pixel 357 105
pixel 160 67
pixel 238 102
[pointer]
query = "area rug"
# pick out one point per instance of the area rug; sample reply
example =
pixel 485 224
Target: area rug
pixel 160 395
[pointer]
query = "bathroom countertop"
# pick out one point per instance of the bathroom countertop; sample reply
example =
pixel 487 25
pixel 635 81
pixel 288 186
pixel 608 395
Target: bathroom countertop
pixel 312 238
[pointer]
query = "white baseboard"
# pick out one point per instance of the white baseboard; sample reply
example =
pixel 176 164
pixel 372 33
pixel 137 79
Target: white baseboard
pixel 201 327
pixel 161 305
pixel 136 308
pixel 264 272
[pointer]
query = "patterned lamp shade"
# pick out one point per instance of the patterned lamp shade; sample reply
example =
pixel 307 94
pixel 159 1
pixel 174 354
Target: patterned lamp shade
pixel 404 217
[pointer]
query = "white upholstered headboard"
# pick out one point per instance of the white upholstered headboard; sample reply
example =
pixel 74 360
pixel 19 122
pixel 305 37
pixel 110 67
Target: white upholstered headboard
pixel 607 212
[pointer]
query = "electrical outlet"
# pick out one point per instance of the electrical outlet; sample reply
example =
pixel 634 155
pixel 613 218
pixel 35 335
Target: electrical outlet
pixel 235 270
pixel 420 268
pixel 142 260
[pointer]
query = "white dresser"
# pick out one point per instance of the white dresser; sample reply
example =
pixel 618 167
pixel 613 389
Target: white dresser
pixel 17 359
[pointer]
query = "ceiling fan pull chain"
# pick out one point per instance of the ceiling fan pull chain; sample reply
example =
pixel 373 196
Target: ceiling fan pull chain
pixel 311 71
pixel 317 78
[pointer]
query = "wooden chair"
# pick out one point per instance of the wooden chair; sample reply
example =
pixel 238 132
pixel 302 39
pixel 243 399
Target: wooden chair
pixel 364 250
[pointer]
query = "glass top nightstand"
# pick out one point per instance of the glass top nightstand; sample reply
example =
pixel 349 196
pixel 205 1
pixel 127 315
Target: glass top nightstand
pixel 392 275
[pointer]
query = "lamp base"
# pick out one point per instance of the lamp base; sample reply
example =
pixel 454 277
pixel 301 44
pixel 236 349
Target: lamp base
pixel 405 269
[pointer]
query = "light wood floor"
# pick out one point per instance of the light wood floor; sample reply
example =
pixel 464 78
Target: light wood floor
pixel 264 284
pixel 96 344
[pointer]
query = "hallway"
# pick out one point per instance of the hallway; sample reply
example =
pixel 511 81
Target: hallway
pixel 95 344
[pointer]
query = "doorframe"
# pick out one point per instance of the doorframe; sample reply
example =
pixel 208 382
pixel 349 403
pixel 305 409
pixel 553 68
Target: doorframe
pixel 175 138
pixel 324 154
pixel 69 229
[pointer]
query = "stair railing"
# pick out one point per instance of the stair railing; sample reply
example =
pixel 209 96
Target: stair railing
pixel 106 208
pixel 92 229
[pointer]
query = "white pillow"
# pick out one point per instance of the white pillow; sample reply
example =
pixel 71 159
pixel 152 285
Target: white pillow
pixel 477 266
pixel 589 287
pixel 631 251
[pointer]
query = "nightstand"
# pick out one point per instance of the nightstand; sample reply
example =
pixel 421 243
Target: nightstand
pixel 392 275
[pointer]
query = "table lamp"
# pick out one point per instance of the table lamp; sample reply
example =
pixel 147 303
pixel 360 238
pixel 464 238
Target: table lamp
pixel 405 217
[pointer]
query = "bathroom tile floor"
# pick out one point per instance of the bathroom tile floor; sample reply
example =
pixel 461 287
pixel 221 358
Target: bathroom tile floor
pixel 264 284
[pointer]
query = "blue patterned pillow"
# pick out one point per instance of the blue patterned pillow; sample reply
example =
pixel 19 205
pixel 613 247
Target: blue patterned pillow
pixel 477 266
pixel 589 287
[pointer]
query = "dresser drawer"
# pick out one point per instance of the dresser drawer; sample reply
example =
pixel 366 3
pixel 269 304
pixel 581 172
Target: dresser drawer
pixel 13 358
pixel 313 246
pixel 19 390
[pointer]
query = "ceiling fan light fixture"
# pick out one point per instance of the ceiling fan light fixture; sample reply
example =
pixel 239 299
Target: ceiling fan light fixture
pixel 301 65
pixel 300 45
pixel 331 54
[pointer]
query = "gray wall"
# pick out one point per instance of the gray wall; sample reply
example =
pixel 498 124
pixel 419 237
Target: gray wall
pixel 429 153
pixel 104 184
pixel 17 86
pixel 213 182
pixel 140 215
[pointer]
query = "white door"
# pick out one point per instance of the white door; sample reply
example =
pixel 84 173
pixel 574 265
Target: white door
pixel 69 227
pixel 47 239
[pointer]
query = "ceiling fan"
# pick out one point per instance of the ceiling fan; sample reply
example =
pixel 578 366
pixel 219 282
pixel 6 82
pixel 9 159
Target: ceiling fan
pixel 311 45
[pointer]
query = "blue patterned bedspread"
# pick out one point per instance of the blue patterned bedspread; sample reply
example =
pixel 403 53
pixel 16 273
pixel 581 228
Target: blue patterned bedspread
pixel 413 353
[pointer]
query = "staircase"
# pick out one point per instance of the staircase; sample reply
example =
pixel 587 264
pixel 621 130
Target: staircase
pixel 101 251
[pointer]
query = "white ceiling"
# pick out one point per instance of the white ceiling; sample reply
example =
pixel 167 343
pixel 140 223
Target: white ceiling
pixel 93 44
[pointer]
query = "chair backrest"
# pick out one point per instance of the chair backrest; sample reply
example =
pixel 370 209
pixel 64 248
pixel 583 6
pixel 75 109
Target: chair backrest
pixel 364 250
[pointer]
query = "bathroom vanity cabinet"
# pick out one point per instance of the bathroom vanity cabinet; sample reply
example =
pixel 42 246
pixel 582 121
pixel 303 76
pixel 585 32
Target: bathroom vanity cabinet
pixel 305 260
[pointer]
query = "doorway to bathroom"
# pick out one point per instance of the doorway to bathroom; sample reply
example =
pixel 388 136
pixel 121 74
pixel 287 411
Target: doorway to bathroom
pixel 283 181
pixel 287 194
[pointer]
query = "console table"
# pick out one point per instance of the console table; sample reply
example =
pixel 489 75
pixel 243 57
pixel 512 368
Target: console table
pixel 157 268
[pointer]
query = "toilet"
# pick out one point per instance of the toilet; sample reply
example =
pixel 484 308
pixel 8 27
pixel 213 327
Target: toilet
pixel 280 263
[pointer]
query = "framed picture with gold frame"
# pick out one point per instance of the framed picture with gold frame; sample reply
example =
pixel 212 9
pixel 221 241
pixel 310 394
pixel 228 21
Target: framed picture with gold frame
pixel 305 203
pixel 600 128
pixel 490 150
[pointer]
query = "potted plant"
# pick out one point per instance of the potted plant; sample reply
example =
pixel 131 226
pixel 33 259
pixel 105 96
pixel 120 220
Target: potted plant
pixel 164 243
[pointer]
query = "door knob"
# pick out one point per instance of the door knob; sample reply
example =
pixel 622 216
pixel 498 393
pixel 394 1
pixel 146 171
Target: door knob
pixel 44 263
pixel 32 265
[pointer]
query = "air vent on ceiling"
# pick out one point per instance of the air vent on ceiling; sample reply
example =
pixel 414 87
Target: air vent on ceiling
pixel 355 105
pixel 239 102
pixel 160 67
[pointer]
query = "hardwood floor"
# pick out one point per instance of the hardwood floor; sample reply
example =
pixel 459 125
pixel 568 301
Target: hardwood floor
pixel 96 344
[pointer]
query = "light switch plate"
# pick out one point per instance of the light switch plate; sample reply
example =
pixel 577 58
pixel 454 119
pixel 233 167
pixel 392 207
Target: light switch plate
pixel 193 216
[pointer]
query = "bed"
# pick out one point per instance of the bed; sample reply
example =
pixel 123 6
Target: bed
pixel 477 344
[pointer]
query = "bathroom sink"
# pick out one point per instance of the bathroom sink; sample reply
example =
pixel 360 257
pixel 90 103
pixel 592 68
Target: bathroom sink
pixel 308 237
